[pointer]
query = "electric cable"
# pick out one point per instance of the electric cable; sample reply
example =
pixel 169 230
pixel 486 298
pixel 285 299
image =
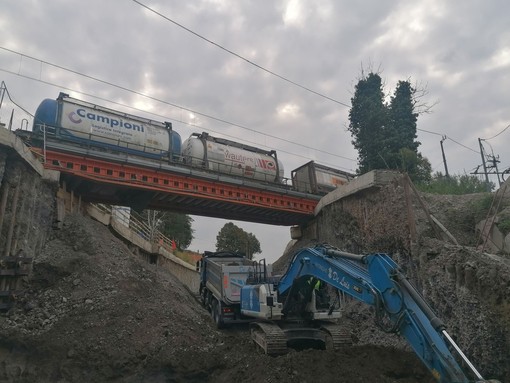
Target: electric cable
pixel 160 101
pixel 486 139
pixel 221 120
pixel 239 56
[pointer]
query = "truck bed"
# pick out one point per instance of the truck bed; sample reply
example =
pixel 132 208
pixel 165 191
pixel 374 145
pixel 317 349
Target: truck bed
pixel 226 276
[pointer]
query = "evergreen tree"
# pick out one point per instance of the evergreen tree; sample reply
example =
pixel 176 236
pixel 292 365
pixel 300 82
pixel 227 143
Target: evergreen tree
pixel 368 117
pixel 401 129
pixel 403 145
pixel 385 135
pixel 233 238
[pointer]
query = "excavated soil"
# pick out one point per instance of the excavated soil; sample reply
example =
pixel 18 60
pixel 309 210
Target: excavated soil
pixel 95 312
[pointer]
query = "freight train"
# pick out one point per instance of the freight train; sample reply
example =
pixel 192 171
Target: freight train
pixel 72 123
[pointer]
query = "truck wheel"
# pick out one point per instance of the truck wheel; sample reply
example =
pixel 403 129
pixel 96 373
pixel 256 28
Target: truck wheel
pixel 208 300
pixel 203 297
pixel 216 314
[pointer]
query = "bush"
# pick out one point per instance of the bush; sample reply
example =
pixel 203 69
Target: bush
pixel 456 184
pixel 504 225
pixel 480 208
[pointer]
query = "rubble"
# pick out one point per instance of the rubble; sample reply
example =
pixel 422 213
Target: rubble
pixel 93 311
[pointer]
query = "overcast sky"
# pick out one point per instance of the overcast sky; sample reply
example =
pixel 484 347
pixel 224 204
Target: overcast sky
pixel 459 51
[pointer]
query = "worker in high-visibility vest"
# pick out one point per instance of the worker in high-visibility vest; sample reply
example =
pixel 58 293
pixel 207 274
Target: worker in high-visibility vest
pixel 316 285
pixel 320 293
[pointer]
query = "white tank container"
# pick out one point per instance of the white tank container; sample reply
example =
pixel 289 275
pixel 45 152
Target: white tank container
pixel 228 157
pixel 101 126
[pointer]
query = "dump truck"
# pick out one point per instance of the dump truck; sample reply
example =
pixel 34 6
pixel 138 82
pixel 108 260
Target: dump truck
pixel 222 275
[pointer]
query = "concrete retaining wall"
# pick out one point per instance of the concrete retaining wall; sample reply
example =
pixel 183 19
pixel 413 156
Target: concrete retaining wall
pixel 182 270
pixel 27 198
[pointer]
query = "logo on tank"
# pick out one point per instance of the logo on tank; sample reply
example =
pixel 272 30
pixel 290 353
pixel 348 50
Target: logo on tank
pixel 266 164
pixel 236 157
pixel 73 117
pixel 105 120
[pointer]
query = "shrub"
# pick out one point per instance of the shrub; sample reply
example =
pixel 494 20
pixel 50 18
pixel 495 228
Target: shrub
pixel 456 184
pixel 504 225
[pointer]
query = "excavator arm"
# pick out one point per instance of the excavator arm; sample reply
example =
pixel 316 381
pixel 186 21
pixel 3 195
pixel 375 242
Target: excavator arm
pixel 377 280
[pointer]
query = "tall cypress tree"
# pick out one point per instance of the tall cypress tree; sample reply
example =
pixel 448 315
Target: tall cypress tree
pixel 385 135
pixel 402 133
pixel 403 117
pixel 368 117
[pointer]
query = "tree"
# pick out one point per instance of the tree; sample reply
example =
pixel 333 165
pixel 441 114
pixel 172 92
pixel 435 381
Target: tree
pixel 233 238
pixel 401 129
pixel 385 134
pixel 414 164
pixel 175 226
pixel 368 117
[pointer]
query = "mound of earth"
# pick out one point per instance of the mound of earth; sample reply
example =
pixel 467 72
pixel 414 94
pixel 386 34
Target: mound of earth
pixel 95 312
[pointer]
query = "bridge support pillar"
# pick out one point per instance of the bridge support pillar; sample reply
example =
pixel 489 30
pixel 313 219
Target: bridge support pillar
pixel 296 232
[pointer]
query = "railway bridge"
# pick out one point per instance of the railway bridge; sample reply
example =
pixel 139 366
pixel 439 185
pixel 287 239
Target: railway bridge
pixel 121 179
pixel 137 183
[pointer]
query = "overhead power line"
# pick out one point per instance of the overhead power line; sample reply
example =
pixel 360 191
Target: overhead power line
pixel 428 131
pixel 464 146
pixel 487 139
pixel 166 118
pixel 238 55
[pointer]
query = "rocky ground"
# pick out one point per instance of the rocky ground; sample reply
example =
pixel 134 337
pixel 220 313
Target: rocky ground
pixel 94 312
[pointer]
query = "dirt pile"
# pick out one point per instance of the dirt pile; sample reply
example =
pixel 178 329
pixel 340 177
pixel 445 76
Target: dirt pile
pixel 95 312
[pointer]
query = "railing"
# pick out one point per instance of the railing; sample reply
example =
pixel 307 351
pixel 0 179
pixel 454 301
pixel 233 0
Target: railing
pixel 137 225
pixel 10 111
pixel 90 140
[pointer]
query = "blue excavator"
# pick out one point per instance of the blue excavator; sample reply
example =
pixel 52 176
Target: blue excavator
pixel 291 310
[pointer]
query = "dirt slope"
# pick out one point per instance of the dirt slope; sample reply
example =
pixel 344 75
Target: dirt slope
pixel 96 313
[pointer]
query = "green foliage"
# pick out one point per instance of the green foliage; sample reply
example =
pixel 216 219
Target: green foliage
pixel 414 164
pixel 456 184
pixel 233 238
pixel 385 134
pixel 479 209
pixel 504 225
pixel 187 256
pixel 401 129
pixel 368 117
pixel 175 226
pixel 484 207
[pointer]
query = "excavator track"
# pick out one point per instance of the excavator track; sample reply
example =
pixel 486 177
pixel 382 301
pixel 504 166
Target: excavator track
pixel 340 336
pixel 269 337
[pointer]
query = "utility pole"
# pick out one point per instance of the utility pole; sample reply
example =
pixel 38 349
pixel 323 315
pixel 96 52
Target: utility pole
pixel 483 164
pixel 494 165
pixel 444 157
